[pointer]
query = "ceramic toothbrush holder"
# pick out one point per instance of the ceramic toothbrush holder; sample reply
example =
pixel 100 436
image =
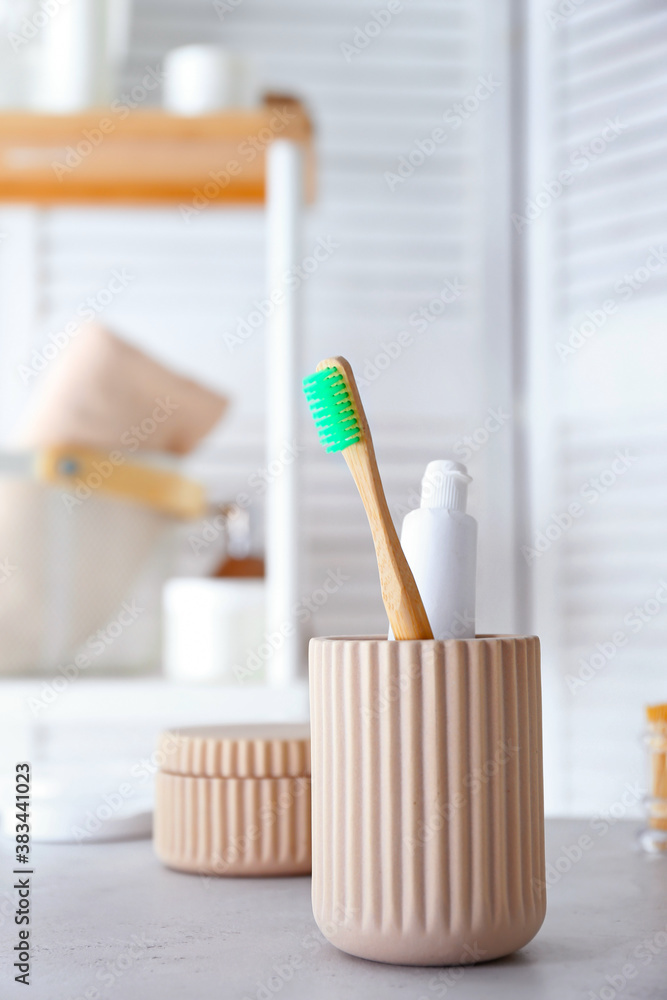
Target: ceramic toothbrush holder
pixel 428 817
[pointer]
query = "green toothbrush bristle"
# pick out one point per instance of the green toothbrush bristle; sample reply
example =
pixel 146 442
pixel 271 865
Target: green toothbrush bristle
pixel 332 408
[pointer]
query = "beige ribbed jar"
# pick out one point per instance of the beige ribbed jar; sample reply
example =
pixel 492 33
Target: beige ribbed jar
pixel 234 800
pixel 428 817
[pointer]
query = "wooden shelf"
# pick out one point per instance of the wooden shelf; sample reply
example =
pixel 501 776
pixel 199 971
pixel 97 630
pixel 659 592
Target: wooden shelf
pixel 147 157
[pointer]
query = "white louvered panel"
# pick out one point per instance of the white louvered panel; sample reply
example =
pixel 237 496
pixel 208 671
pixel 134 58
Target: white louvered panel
pixel 608 60
pixel 610 65
pixel 598 44
pixel 604 573
pixel 611 559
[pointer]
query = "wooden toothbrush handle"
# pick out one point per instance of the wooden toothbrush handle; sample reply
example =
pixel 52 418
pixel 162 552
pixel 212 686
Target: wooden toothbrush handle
pixel 401 597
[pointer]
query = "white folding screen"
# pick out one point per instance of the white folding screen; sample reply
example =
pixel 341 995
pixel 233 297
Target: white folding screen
pixel 593 225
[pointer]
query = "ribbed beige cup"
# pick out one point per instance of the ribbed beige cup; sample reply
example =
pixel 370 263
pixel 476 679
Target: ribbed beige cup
pixel 428 817
pixel 234 800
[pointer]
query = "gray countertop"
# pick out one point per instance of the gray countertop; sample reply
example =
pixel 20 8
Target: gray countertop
pixel 110 922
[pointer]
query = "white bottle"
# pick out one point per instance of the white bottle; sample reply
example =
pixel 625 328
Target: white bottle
pixel 440 543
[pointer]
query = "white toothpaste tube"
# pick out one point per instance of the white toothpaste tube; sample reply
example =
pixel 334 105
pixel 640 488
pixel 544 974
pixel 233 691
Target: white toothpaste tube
pixel 440 543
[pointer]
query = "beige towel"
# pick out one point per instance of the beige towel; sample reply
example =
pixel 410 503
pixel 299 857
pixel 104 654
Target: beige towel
pixel 106 394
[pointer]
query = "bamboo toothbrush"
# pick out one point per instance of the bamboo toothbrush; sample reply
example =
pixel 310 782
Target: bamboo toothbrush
pixel 335 403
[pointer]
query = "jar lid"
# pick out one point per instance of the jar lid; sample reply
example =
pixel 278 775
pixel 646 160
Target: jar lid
pixel 271 750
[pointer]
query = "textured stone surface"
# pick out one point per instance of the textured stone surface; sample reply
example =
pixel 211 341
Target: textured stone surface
pixel 223 939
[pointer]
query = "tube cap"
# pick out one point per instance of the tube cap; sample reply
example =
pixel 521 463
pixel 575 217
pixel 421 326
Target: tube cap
pixel 445 484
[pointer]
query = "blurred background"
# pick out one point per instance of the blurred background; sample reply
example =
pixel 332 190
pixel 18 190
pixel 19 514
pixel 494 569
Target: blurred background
pixel 490 212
